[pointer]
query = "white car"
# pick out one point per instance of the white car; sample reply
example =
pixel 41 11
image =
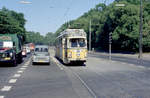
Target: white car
pixel 41 54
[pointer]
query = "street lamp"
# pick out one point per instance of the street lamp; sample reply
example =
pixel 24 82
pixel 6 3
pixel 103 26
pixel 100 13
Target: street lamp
pixel 90 36
pixel 141 30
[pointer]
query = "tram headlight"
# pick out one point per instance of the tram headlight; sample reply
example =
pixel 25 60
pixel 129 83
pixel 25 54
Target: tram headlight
pixel 69 54
pixel 85 55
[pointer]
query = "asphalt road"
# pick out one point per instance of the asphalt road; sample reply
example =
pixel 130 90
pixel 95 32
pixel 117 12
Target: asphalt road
pixel 98 78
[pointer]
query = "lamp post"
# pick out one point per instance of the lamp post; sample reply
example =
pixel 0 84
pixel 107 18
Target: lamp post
pixel 90 36
pixel 141 30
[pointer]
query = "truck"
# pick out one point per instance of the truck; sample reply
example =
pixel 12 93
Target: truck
pixel 11 49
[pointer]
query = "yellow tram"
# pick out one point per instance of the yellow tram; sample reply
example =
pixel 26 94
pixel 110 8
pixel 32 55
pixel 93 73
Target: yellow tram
pixel 71 46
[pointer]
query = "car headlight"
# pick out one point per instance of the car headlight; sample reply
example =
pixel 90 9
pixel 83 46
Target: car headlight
pixel 11 54
pixel 4 55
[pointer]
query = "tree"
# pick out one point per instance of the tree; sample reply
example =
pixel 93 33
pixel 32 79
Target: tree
pixel 12 22
pixel 123 22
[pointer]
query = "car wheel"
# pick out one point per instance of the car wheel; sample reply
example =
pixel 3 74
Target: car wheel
pixel 33 63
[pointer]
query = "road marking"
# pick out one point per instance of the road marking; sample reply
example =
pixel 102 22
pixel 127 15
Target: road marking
pixel 20 71
pixel 22 68
pixel 12 80
pixel 57 63
pixel 2 96
pixel 113 61
pixel 124 63
pixel 6 88
pixel 17 75
pixel 141 66
pixel 26 64
pixel 132 64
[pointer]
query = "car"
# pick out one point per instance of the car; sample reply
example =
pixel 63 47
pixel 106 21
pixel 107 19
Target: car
pixel 41 55
pixel 27 48
pixel 24 52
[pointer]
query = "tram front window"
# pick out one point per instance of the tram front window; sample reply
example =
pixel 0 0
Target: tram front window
pixel 81 42
pixel 74 42
pixel 77 43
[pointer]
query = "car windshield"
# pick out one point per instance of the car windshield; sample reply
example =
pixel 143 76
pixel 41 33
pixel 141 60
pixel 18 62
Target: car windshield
pixel 41 49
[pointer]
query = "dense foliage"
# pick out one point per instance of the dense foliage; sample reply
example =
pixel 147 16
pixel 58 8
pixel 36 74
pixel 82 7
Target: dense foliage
pixel 123 22
pixel 12 22
pixel 37 38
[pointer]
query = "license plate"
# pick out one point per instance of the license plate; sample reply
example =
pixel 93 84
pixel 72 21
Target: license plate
pixel 7 58
pixel 41 61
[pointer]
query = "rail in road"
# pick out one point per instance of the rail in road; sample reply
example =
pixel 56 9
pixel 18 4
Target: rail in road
pixel 70 71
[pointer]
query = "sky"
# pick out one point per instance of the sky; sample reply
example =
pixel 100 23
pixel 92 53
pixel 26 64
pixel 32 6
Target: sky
pixel 48 15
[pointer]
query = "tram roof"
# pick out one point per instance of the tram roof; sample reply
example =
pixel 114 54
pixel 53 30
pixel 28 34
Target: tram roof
pixel 72 32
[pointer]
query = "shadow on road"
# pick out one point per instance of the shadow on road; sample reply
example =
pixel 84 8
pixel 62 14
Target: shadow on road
pixel 74 64
pixel 5 65
pixel 41 64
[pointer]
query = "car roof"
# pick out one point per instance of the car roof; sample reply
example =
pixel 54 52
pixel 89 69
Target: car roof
pixel 41 46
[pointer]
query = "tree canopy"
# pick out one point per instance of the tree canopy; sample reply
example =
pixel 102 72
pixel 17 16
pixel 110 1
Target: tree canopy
pixel 11 22
pixel 123 22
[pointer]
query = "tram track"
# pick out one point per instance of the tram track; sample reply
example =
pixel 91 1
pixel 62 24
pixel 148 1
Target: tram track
pixel 69 70
pixel 83 82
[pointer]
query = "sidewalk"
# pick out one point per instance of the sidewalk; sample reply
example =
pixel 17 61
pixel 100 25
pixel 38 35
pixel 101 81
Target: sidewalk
pixel 146 56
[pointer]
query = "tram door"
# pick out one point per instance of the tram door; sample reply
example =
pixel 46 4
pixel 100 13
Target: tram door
pixel 65 48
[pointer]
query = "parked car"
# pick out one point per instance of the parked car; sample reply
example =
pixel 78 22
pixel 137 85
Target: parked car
pixel 41 54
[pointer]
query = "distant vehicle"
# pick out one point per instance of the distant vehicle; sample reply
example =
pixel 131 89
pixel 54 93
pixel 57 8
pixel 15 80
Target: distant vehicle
pixel 24 52
pixel 10 48
pixel 71 46
pixel 26 46
pixel 31 46
pixel 41 54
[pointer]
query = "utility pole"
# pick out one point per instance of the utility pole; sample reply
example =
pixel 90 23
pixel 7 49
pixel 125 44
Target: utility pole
pixel 141 30
pixel 110 41
pixel 90 36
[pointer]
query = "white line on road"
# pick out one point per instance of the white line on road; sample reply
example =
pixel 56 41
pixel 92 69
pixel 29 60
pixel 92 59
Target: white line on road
pixel 12 80
pixel 2 96
pixel 141 66
pixel 132 64
pixel 113 61
pixel 6 88
pixel 20 71
pixel 26 64
pixel 17 75
pixel 57 63
pixel 22 68
pixel 124 63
